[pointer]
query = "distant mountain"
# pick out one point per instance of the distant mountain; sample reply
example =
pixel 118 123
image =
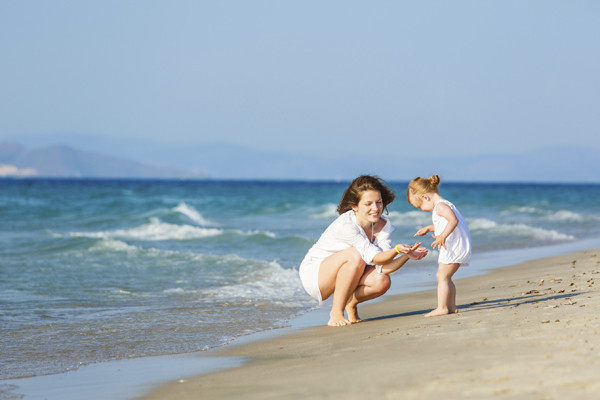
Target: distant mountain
pixel 68 162
pixel 215 160
pixel 135 159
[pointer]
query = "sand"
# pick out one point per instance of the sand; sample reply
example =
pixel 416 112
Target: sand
pixel 529 331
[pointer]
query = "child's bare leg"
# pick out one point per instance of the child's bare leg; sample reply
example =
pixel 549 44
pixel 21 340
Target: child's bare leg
pixel 446 290
pixel 452 297
pixel 371 285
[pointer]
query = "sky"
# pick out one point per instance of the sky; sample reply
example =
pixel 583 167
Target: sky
pixel 367 79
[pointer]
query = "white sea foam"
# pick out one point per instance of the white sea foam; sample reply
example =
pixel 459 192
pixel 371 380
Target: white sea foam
pixel 410 218
pixel 565 215
pixel 178 290
pixel 327 211
pixel 114 245
pixel 482 224
pixel 252 233
pixel 193 214
pixel 120 291
pixel 522 210
pixel 549 215
pixel 270 281
pixel 155 230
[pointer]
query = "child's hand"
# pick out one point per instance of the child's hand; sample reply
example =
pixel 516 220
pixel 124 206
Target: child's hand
pixel 439 242
pixel 423 231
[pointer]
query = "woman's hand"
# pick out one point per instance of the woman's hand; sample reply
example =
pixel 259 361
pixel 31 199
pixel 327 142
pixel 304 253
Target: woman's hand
pixel 418 253
pixel 406 249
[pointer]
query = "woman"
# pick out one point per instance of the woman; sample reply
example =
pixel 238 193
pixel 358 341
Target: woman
pixel 353 258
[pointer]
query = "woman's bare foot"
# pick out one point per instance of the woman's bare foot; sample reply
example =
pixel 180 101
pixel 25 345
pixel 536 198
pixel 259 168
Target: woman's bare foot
pixel 336 320
pixel 440 311
pixel 352 312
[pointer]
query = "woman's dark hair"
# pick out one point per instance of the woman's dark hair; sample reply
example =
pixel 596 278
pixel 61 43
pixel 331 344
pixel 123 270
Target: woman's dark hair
pixel 360 185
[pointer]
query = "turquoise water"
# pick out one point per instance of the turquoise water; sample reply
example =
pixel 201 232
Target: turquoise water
pixel 95 270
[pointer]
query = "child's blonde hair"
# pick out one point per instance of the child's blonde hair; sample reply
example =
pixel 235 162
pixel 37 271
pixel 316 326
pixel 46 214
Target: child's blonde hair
pixel 419 186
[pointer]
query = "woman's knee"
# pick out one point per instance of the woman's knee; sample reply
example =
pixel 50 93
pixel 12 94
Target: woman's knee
pixel 356 260
pixel 382 283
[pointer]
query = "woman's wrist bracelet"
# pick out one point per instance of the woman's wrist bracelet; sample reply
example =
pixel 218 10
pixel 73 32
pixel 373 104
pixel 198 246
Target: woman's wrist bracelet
pixel 396 248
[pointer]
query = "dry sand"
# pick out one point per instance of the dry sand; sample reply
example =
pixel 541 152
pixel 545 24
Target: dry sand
pixel 529 331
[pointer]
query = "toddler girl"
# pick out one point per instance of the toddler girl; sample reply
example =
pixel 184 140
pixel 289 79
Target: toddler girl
pixel 452 238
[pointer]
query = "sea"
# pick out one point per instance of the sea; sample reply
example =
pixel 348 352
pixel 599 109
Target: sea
pixel 93 271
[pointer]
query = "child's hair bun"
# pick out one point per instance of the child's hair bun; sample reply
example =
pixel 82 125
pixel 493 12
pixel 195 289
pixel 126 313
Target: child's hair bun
pixel 434 180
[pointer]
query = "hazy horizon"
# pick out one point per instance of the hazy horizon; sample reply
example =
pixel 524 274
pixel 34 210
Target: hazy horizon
pixel 127 159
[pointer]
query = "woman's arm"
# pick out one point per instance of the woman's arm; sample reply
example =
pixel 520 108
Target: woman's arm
pixel 399 262
pixel 388 255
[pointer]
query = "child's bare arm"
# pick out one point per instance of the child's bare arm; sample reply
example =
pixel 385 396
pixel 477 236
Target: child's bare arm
pixel 445 211
pixel 424 231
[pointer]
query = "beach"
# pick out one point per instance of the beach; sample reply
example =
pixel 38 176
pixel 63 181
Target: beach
pixel 117 287
pixel 530 330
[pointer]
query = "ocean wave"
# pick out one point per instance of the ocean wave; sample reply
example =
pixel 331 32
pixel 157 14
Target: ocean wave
pixel 410 218
pixel 327 211
pixel 178 290
pixel 522 210
pixel 192 214
pixel 566 215
pixel 155 230
pixel 255 233
pixel 228 264
pixel 114 245
pixel 549 215
pixel 482 224
pixel 264 281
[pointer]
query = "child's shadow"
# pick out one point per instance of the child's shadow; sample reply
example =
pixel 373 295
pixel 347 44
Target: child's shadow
pixel 490 304
pixel 515 301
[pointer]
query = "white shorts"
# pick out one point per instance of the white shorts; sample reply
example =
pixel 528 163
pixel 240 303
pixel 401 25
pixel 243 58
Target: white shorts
pixel 309 275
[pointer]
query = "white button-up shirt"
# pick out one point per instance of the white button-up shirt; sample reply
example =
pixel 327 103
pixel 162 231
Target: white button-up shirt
pixel 345 232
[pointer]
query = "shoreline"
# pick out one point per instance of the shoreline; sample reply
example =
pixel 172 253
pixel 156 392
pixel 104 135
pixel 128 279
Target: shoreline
pixel 129 378
pixel 529 329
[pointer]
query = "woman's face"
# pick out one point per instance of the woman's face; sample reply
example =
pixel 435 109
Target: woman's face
pixel 369 207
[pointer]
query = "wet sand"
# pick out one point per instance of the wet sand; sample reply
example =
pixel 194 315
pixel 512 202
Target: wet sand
pixel 528 331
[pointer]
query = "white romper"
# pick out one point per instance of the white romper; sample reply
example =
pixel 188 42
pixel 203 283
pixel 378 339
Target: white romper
pixel 458 243
pixel 341 234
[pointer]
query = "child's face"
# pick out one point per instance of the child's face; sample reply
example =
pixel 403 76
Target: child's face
pixel 424 202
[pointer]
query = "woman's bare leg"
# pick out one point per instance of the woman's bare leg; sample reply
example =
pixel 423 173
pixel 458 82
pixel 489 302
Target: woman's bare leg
pixel 446 290
pixel 370 286
pixel 339 275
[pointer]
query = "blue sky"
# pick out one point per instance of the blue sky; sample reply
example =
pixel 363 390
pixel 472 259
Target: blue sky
pixel 372 79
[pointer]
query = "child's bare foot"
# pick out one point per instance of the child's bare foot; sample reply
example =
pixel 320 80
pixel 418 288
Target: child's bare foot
pixel 352 312
pixel 337 320
pixel 440 311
